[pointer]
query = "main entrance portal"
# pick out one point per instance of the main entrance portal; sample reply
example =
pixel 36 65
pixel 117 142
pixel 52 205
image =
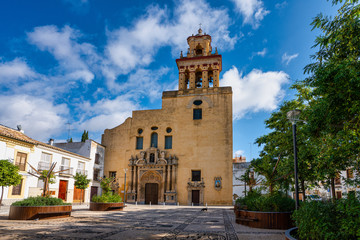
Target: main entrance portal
pixel 151 193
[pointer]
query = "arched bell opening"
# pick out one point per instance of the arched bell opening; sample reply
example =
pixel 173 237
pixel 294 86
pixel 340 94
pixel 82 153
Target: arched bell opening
pixel 211 77
pixel 187 79
pixel 198 78
pixel 199 50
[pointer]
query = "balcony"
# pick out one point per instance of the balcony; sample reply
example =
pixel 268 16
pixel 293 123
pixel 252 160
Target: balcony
pixel 43 166
pixel 68 171
pixel 82 171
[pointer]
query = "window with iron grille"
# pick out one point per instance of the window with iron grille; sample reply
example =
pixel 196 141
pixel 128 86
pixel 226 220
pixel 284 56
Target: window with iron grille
pixel 97 158
pixel 21 160
pixel 195 175
pixel 197 113
pixel 168 142
pixel 139 142
pixel 17 189
pixel 112 174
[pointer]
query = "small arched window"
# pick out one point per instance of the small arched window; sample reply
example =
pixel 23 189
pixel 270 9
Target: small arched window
pixel 154 140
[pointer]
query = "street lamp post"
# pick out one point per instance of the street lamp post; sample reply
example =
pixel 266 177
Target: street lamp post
pixel 125 170
pixel 293 116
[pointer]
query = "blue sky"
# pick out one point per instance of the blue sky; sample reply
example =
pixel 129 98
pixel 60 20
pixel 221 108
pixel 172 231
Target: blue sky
pixel 90 62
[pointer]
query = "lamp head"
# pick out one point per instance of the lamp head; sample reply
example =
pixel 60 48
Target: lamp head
pixel 293 115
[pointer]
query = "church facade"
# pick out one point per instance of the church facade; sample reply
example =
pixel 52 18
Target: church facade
pixel 181 153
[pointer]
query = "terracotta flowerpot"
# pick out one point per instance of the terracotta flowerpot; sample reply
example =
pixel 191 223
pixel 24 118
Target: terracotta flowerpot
pixel 106 206
pixel 267 220
pixel 29 213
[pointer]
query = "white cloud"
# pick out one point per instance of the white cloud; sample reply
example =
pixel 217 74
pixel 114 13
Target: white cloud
pixel 287 58
pixel 106 113
pixel 257 91
pixel 13 70
pixel 261 53
pixel 135 47
pixel 253 11
pixel 39 118
pixel 281 5
pixel 74 58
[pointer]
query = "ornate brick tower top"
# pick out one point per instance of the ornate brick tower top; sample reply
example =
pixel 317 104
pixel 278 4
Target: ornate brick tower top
pixel 200 68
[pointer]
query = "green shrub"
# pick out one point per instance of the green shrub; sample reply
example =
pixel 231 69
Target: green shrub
pixel 40 201
pixel 277 202
pixel 328 220
pixel 107 198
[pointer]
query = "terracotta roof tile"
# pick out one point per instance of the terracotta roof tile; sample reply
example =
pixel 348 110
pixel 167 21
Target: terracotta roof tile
pixel 15 134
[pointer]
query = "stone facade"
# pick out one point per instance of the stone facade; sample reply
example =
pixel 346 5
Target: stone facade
pixel 181 153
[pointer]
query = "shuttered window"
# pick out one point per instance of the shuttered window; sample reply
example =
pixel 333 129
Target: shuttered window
pixel 21 161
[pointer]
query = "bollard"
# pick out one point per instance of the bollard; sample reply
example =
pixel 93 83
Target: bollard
pixel 206 205
pixel 192 204
pixel 150 203
pixel 178 204
pixel 136 203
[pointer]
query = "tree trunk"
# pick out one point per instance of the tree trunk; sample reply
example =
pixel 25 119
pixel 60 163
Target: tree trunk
pixel 271 189
pixel 333 189
pixel 302 182
pixel 2 194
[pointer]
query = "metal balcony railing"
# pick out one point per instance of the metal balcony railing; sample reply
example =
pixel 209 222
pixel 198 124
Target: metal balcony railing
pixel 43 166
pixel 69 170
pixel 81 171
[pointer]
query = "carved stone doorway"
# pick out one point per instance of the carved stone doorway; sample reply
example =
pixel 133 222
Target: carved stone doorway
pixel 195 197
pixel 151 193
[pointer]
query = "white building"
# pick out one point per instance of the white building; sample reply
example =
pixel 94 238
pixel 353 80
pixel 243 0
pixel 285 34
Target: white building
pixel 96 152
pixel 24 151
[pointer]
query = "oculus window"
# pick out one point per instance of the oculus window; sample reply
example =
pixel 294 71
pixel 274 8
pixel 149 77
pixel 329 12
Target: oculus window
pixel 197 113
pixel 139 142
pixel 168 142
pixel 195 175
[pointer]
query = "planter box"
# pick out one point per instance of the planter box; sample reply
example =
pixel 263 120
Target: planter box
pixel 289 232
pixel 29 213
pixel 106 206
pixel 267 220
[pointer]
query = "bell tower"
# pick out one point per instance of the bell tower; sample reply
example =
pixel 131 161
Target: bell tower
pixel 200 68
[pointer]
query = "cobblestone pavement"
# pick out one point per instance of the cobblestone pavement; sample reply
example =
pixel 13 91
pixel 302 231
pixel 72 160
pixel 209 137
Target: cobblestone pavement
pixel 137 222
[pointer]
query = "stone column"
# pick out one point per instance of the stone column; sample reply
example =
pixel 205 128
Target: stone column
pixel 192 80
pixel 205 80
pixel 182 84
pixel 169 177
pixel 174 177
pixel 132 179
pixel 216 78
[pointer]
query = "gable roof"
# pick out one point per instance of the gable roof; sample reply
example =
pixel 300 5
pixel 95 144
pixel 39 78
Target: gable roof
pixel 17 135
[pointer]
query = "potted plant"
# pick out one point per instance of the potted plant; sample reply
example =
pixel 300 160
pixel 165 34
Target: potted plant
pixel 108 200
pixel 41 206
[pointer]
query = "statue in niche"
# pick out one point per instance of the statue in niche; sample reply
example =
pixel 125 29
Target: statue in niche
pixel 162 154
pixel 152 158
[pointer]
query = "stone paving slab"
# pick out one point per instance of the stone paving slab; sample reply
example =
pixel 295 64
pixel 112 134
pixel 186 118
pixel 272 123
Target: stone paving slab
pixel 137 222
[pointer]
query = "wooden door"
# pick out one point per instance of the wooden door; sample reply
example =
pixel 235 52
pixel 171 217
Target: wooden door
pixel 63 189
pixel 94 192
pixel 195 197
pixel 338 195
pixel 151 193
pixel 77 195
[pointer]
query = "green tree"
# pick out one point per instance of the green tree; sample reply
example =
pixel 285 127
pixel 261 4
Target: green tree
pixel 85 136
pixel 9 176
pixel 81 182
pixel 276 162
pixel 105 184
pixel 334 83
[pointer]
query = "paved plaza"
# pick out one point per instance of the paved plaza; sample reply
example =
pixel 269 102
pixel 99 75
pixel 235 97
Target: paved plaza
pixel 137 222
